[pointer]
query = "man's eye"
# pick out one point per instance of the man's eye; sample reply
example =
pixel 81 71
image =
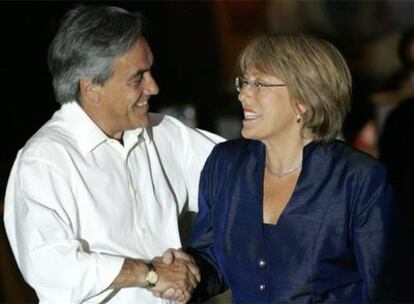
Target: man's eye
pixel 258 84
pixel 137 79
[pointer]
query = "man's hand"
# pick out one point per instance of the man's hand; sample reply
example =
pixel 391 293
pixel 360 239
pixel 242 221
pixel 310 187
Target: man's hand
pixel 179 295
pixel 176 280
pixel 170 255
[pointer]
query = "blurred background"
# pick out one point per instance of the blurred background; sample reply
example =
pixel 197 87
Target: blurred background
pixel 196 46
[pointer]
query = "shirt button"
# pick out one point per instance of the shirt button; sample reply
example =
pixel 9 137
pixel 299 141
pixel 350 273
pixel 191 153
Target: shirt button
pixel 262 286
pixel 261 263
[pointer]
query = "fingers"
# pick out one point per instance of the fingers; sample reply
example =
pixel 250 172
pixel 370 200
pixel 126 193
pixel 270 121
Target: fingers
pixel 169 294
pixel 183 299
pixel 195 271
pixel 172 294
pixel 171 254
pixel 192 281
pixel 176 280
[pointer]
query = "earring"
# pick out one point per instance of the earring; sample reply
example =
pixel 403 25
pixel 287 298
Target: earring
pixel 299 118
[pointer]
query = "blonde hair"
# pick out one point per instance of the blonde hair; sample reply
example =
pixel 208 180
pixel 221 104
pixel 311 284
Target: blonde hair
pixel 316 75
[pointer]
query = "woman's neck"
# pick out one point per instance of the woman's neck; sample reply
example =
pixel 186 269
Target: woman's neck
pixel 285 156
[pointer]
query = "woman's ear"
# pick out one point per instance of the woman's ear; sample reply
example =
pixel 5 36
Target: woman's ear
pixel 302 108
pixel 89 92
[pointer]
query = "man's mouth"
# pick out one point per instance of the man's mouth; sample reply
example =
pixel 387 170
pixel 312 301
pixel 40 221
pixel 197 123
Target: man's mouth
pixel 143 102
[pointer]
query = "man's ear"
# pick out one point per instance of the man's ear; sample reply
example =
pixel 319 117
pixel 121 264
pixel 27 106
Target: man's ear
pixel 89 91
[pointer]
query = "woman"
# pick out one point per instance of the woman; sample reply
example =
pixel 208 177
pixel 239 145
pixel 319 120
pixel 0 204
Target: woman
pixel 289 213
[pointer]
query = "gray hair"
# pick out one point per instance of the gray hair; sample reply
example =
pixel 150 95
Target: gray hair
pixel 316 75
pixel 88 41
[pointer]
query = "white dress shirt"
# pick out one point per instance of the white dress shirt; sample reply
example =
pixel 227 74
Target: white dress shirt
pixel 78 202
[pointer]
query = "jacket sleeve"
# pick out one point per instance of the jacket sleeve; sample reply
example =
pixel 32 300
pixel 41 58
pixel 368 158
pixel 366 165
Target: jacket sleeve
pixel 380 241
pixel 202 242
pixel 53 260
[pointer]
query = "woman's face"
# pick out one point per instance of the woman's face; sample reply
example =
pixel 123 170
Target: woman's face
pixel 269 112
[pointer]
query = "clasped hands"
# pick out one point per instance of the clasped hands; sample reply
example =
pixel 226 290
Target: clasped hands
pixel 178 276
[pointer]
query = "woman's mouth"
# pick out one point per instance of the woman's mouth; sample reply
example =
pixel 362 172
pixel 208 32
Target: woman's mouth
pixel 250 115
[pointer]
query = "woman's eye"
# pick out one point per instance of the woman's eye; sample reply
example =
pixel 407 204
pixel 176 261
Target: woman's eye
pixel 258 84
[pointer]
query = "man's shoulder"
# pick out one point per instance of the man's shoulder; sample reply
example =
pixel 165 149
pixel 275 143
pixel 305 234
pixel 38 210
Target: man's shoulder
pixel 167 128
pixel 50 139
pixel 158 121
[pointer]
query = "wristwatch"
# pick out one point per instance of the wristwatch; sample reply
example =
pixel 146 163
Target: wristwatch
pixel 152 276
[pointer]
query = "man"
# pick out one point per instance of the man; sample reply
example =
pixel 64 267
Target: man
pixel 96 193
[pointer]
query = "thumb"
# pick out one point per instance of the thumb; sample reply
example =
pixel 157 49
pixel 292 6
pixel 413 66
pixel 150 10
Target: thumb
pixel 168 257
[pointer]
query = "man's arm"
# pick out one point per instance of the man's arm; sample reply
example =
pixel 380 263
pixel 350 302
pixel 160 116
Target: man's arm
pixel 175 275
pixel 52 258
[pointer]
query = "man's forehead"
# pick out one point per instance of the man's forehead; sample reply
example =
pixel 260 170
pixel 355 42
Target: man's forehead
pixel 138 58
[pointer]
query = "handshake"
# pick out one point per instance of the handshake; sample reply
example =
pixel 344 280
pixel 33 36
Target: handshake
pixel 172 276
pixel 177 276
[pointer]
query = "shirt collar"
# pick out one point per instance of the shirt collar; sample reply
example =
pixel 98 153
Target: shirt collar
pixel 144 133
pixel 88 134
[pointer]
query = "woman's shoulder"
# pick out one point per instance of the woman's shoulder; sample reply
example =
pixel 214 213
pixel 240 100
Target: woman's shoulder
pixel 236 143
pixel 236 147
pixel 353 159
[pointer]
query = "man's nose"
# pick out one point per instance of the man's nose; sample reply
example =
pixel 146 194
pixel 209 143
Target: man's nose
pixel 151 86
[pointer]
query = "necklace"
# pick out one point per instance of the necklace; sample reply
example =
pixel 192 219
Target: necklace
pixel 282 173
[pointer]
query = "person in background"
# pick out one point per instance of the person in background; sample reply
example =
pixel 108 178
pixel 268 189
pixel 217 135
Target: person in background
pixel 95 195
pixel 396 143
pixel 398 88
pixel 289 214
pixel 396 146
pixel 396 139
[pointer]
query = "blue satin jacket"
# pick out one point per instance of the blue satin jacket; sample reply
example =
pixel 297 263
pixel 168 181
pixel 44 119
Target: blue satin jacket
pixel 331 244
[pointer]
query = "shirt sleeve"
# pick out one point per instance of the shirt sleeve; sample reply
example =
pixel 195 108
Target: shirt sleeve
pixel 199 144
pixel 40 220
pixel 381 242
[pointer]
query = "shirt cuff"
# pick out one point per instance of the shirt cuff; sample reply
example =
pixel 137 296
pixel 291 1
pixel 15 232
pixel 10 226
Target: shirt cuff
pixel 109 268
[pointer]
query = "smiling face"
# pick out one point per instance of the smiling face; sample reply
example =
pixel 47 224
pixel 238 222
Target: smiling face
pixel 122 102
pixel 269 112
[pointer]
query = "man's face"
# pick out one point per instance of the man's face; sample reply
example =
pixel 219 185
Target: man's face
pixel 124 97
